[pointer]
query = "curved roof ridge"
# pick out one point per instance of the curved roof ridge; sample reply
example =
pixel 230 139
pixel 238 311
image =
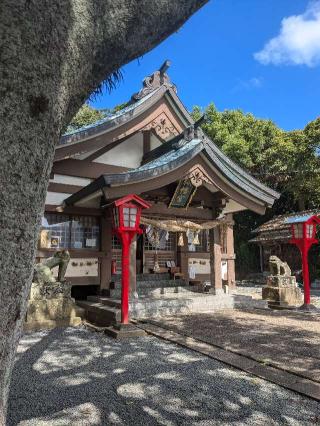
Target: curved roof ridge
pixel 105 122
pixel 278 220
pixel 150 85
pixel 177 156
pixel 241 171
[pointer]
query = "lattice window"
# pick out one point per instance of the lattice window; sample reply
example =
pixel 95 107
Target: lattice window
pixel 55 231
pixel 65 231
pixel 204 246
pixel 116 243
pixel 170 243
pixel 85 232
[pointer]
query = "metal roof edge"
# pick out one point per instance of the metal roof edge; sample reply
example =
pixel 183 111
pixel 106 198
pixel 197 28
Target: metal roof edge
pixel 109 123
pixel 94 186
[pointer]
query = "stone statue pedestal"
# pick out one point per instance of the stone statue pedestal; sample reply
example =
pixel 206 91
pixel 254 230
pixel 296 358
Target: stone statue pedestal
pixel 51 305
pixel 282 292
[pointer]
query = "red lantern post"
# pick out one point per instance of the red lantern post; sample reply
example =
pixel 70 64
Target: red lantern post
pixel 303 230
pixel 126 221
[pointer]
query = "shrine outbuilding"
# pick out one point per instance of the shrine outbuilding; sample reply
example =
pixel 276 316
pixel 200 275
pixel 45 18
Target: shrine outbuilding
pixel 151 148
pixel 273 238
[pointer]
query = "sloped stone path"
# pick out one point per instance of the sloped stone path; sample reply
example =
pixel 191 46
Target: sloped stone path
pixel 287 340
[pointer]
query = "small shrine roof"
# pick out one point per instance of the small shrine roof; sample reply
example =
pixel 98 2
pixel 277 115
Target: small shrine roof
pixel 278 228
pixel 299 219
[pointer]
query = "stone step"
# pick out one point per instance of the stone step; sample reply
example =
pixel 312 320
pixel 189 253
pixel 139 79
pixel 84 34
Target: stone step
pixel 99 313
pixel 155 284
pixel 144 277
pixel 114 303
pixel 154 292
pixel 180 305
pixel 248 302
pixel 104 311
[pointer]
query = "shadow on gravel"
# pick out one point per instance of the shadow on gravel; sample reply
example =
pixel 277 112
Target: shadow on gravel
pixel 73 376
pixel 286 339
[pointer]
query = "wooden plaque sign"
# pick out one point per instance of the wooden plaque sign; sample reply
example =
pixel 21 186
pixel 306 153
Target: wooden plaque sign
pixel 183 194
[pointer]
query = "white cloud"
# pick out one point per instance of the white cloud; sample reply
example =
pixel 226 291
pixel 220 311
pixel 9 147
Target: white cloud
pixel 298 42
pixel 252 83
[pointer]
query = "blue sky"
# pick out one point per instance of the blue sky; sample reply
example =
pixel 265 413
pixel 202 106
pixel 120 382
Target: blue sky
pixel 262 56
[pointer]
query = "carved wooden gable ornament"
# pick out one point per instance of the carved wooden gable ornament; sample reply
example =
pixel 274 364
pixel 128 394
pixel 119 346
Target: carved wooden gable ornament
pixel 198 176
pixel 163 126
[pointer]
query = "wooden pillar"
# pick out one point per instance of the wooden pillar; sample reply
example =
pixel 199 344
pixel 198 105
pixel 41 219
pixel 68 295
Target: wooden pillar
pixel 106 248
pixel 215 260
pixel 183 257
pixel 230 253
pixel 146 141
pixel 261 258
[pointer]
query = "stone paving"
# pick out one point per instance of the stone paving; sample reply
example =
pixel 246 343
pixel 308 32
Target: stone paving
pixel 77 377
pixel 286 339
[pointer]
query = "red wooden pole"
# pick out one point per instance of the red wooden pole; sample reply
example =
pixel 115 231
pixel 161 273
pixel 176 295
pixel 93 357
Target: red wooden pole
pixel 125 288
pixel 305 273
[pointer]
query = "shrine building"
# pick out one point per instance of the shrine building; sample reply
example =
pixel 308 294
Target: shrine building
pixel 151 148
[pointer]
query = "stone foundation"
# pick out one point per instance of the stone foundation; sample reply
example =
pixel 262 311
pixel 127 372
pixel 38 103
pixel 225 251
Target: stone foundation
pixel 51 305
pixel 282 297
pixel 282 292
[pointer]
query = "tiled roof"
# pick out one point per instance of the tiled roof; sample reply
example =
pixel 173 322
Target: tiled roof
pixel 282 234
pixel 299 219
pixel 178 154
pixel 278 228
pixel 104 123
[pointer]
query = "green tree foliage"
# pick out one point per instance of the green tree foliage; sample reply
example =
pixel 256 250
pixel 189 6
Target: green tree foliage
pixel 286 161
pixel 89 115
pixel 86 115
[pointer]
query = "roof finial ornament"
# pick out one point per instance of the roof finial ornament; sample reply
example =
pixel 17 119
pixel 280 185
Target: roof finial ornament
pixel 154 81
pixel 189 133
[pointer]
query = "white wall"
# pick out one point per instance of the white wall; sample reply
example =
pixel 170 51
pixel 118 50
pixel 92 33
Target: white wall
pixel 127 154
pixel 232 207
pixel 154 141
pixel 70 180
pixel 56 198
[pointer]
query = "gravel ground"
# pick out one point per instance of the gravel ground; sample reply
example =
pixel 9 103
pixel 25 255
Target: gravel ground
pixel 287 339
pixel 77 377
pixel 315 300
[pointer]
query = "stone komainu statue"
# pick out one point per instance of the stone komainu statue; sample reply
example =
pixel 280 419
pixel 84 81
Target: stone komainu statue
pixel 50 302
pixel 278 267
pixel 281 290
pixel 43 271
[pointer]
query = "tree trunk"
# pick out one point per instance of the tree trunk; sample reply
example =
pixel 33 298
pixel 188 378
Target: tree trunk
pixel 301 204
pixel 53 54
